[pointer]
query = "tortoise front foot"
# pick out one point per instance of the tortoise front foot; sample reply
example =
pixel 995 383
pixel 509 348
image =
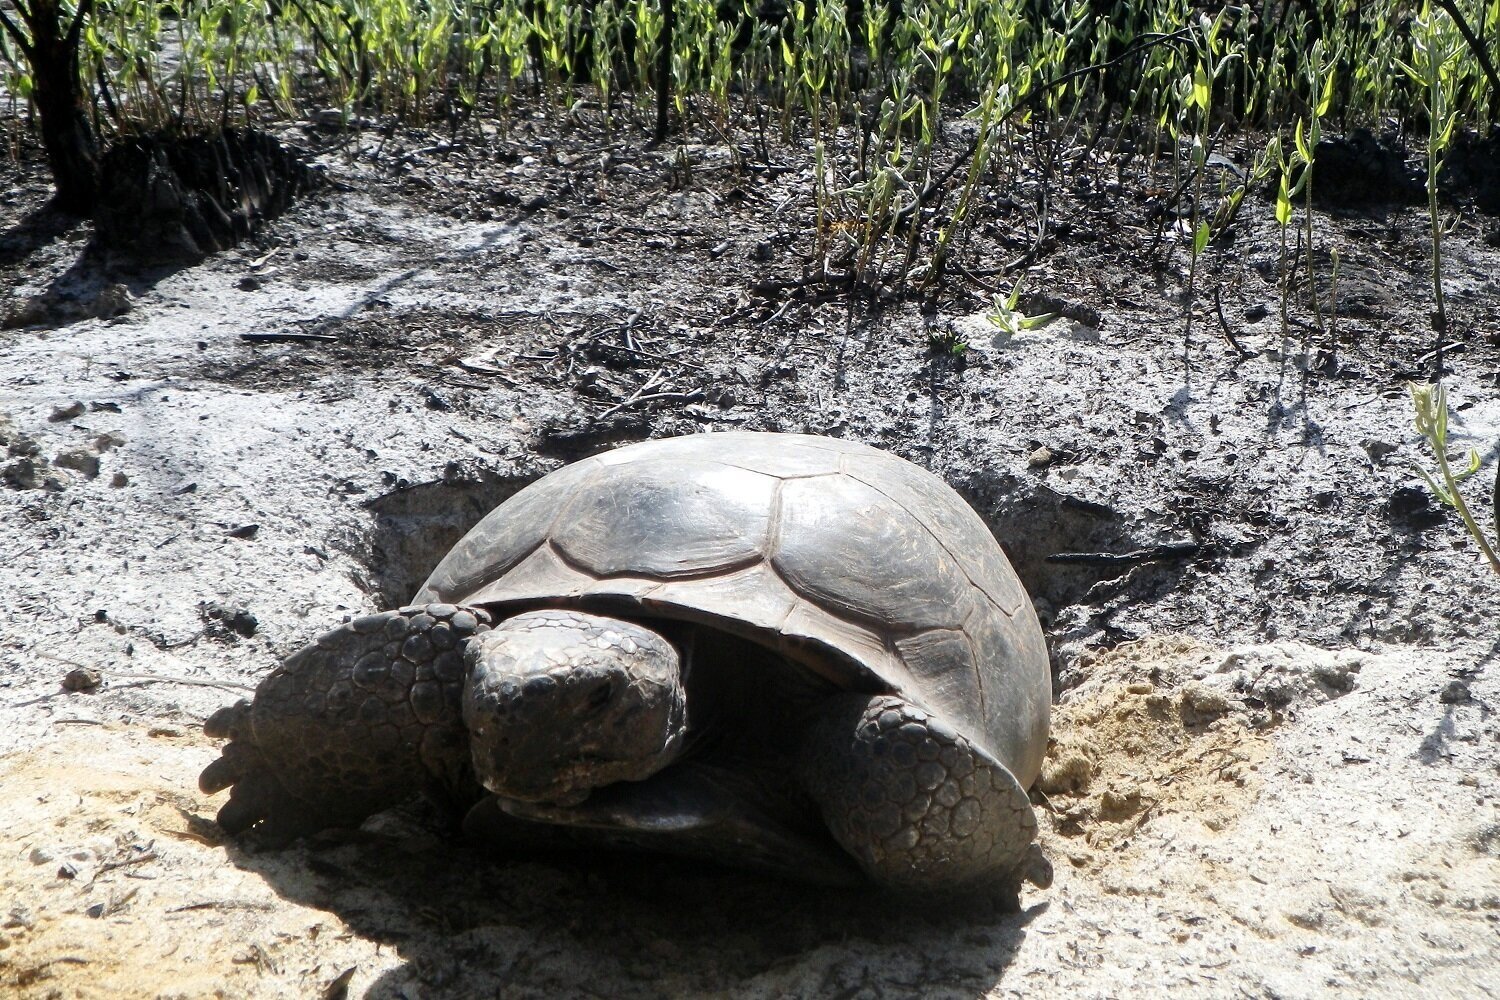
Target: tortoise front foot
pixel 360 720
pixel 257 797
pixel 915 803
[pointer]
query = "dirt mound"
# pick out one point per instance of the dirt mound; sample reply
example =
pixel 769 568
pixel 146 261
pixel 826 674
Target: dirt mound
pixel 1135 747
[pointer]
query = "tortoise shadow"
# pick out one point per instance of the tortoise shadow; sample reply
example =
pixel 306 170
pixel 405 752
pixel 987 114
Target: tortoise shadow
pixel 467 924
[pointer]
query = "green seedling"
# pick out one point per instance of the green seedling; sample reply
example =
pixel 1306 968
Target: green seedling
pixel 878 88
pixel 947 342
pixel 1430 403
pixel 1010 319
pixel 1435 58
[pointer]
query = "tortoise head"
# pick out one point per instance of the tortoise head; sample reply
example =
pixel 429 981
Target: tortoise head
pixel 558 703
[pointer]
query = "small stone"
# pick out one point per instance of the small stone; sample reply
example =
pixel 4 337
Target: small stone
pixel 24 473
pixel 108 441
pixel 80 460
pixel 1204 700
pixel 249 283
pixel 40 856
pixel 118 480
pixel 226 621
pixel 82 679
pixel 113 300
pixel 1456 693
pixel 245 531
pixel 1117 803
pixel 19 917
pixel 1378 450
pixel 31 312
pixel 72 410
pixel 1257 312
pixel 1041 458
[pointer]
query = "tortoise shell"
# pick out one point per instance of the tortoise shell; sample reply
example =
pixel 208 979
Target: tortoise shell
pixel 857 564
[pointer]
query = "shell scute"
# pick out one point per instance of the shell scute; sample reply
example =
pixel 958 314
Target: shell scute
pixel 666 518
pixel 848 548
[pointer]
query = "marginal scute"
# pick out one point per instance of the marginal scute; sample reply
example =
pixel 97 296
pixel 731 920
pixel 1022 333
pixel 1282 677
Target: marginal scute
pixel 541 574
pixel 503 538
pixel 755 596
pixel 807 627
pixel 1017 699
pixel 950 681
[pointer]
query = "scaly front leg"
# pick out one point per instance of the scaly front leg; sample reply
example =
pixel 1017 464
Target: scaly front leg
pixel 917 804
pixel 361 720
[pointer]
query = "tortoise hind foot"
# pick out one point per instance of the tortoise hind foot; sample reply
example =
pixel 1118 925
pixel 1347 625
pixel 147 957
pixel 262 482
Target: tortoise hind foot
pixel 917 804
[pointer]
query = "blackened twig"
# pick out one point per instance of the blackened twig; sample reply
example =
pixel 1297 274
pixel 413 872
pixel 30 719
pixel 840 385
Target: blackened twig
pixel 1157 553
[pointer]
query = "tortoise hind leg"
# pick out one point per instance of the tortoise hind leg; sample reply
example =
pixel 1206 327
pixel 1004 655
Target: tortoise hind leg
pixel 915 803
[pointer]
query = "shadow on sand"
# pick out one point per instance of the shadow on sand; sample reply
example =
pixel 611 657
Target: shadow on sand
pixel 466 924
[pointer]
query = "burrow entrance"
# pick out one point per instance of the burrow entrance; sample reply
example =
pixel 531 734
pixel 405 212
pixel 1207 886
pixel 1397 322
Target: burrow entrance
pixel 416 525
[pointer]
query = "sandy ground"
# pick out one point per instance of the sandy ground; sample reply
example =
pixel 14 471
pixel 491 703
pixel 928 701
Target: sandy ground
pixel 1348 842
pixel 1274 769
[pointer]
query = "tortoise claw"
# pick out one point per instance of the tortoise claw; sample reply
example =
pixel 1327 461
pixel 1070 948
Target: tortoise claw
pixel 258 803
pixel 1035 868
pixel 232 766
pixel 228 722
pixel 249 803
pixel 256 798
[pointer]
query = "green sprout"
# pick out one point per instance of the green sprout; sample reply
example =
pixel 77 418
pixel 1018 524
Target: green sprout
pixel 1431 405
pixel 1009 317
pixel 1434 69
pixel 947 342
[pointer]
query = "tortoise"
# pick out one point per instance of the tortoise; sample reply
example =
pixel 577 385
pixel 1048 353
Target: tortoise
pixel 777 651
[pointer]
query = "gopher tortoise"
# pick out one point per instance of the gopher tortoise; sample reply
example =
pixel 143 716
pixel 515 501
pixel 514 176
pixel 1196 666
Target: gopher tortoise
pixel 777 651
